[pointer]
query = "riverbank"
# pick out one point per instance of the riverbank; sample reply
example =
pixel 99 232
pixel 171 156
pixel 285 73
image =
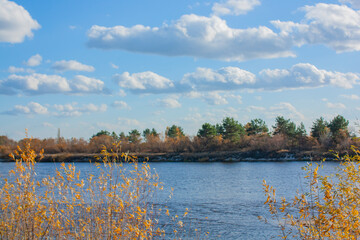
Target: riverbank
pixel 225 156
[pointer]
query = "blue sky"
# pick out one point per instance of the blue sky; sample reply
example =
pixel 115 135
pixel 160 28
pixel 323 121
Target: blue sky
pixel 83 66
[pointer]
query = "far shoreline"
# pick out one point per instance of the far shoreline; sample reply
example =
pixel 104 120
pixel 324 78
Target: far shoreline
pixel 221 156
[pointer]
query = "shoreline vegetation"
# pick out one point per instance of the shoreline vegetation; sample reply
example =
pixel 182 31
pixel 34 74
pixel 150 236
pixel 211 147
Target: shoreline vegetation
pixel 228 141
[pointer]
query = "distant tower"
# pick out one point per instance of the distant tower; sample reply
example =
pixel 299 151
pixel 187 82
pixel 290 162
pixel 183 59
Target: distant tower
pixel 58 135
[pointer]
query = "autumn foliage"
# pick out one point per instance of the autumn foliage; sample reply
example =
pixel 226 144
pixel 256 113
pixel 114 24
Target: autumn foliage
pixel 328 210
pixel 117 203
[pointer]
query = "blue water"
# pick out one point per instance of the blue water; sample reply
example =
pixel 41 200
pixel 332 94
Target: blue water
pixel 224 199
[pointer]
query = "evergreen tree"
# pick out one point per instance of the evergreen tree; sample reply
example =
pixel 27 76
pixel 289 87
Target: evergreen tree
pixel 233 130
pixel 102 132
pixel 134 136
pixel 284 126
pixel 319 128
pixel 174 132
pixel 337 124
pixel 207 131
pixel 256 126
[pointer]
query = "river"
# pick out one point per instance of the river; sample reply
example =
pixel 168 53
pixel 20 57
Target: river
pixel 224 199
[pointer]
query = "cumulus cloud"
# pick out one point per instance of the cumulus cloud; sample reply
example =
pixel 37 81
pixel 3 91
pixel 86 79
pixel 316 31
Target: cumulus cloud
pixel 143 82
pixel 36 83
pixel 335 105
pixel 193 35
pixel 353 3
pixel 32 108
pixel 13 69
pixel 288 109
pixel 214 98
pixel 234 7
pixel 351 97
pixel 34 61
pixel 15 22
pixel 302 75
pixel 336 26
pixel 72 65
pixel 83 84
pixel 73 110
pixel 120 105
pixel 305 75
pixel 281 109
pixel 228 78
pixel 128 122
pixel 170 102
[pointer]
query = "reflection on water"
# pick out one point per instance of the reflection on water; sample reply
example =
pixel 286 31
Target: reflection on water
pixel 224 199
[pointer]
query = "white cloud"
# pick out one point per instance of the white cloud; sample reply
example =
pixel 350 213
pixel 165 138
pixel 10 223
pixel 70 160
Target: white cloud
pixel 128 122
pixel 83 84
pixel 255 108
pixel 353 3
pixel 305 75
pixel 301 75
pixel 72 27
pixel 336 26
pixel 214 98
pixel 73 110
pixel 47 124
pixel 34 61
pixel 36 83
pixel 237 98
pixel 335 105
pixel 15 22
pixel 32 108
pixel 13 69
pixel 193 35
pixel 234 7
pixel 114 66
pixel 72 65
pixel 170 102
pixel 144 82
pixel 286 109
pixel 228 78
pixel 351 97
pixel 121 93
pixel 120 105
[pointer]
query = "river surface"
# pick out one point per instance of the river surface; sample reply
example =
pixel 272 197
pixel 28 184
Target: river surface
pixel 224 199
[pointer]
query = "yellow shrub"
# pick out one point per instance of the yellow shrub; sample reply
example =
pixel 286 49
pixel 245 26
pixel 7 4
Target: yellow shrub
pixel 330 210
pixel 114 205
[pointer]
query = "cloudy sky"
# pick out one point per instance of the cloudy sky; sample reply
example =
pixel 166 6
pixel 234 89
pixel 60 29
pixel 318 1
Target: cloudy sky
pixel 83 66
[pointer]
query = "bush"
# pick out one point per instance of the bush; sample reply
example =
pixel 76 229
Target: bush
pixel 118 204
pixel 329 210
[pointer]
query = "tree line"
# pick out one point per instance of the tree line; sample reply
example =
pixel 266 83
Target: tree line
pixel 229 135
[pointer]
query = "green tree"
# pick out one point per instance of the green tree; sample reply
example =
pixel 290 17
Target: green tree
pixel 147 134
pixel 300 131
pixel 233 130
pixel 207 131
pixel 100 133
pixel 284 126
pixel 319 128
pixel 134 136
pixel 256 126
pixel 115 136
pixel 174 132
pixel 219 129
pixel 337 124
pixel 123 137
